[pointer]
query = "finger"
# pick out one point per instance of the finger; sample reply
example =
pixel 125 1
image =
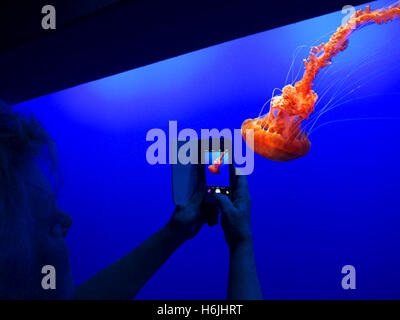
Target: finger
pixel 232 176
pixel 224 203
pixel 240 186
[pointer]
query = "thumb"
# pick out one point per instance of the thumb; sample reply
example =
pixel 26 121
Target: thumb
pixel 224 203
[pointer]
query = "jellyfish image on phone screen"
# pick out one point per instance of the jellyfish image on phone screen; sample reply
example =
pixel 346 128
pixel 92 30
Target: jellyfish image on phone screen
pixel 215 166
pixel 279 135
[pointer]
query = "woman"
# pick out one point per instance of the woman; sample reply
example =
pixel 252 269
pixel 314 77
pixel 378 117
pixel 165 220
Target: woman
pixel 33 228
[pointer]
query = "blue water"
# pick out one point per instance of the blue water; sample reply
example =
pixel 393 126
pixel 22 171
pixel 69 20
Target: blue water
pixel 338 205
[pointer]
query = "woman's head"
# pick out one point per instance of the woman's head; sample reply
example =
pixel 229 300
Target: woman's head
pixel 32 227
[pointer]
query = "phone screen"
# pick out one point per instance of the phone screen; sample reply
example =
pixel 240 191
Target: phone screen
pixel 217 172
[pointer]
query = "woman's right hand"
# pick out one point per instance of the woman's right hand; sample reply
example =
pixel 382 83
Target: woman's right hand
pixel 236 214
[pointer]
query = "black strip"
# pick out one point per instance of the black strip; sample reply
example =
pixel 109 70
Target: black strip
pixel 126 35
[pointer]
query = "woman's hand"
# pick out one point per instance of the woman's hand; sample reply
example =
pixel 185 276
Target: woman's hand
pixel 243 282
pixel 236 215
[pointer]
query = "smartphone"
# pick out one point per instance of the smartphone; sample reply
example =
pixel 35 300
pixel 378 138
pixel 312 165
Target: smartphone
pixel 217 172
pixel 212 169
pixel 218 158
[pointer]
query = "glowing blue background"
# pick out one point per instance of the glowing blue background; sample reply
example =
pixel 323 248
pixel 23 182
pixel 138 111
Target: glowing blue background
pixel 338 205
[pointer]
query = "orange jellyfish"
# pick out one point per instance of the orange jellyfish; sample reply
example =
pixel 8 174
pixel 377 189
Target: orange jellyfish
pixel 278 135
pixel 214 168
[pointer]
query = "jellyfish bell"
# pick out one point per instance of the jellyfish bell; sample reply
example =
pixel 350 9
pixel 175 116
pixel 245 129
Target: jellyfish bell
pixel 277 137
pixel 273 146
pixel 214 169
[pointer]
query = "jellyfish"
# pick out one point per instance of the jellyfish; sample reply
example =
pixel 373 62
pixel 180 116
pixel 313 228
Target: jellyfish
pixel 214 168
pixel 278 135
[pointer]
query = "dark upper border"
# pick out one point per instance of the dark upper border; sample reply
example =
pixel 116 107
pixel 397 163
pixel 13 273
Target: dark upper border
pixel 98 39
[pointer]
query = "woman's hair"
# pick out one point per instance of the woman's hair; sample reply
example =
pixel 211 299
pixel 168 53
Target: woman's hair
pixel 22 140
